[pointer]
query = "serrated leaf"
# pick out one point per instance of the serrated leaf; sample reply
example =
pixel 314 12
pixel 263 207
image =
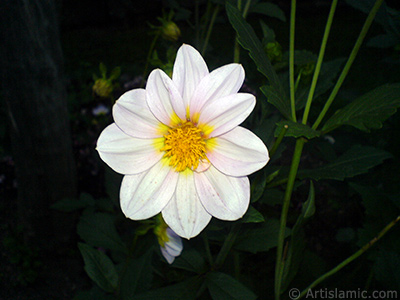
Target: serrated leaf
pixel 276 100
pixel 253 216
pixel 268 9
pixel 260 237
pixel 249 41
pixel 185 290
pixel 138 276
pixel 222 286
pixel 357 160
pixel 296 130
pixel 368 111
pixel 98 229
pixel 99 268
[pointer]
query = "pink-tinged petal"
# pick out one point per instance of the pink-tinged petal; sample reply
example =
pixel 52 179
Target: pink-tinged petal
pixel 168 257
pixel 221 82
pixel 173 247
pixel 144 195
pixel 203 166
pixel 238 152
pixel 126 154
pixel 223 114
pixel 184 213
pixel 164 99
pixel 224 197
pixel 132 114
pixel 189 69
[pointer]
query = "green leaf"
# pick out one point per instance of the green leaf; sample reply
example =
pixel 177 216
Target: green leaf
pixel 185 290
pixel 258 186
pixel 115 73
pixel 296 130
pixel 253 216
pixel 249 41
pixel 113 184
pixel 357 160
pixel 276 100
pixel 190 260
pixel 99 268
pixel 222 286
pixel 103 70
pixel 387 269
pixel 98 229
pixel 268 9
pixel 326 80
pixel 73 204
pixel 138 276
pixel 368 111
pixel 259 237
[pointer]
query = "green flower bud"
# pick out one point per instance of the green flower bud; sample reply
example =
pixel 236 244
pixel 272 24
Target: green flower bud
pixel 102 87
pixel 307 69
pixel 170 31
pixel 274 51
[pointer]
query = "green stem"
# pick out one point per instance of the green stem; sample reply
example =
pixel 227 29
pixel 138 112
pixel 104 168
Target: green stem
pixel 210 27
pixel 291 60
pixel 208 251
pixel 351 258
pixel 296 85
pixel 246 9
pixel 278 140
pixel 285 208
pixel 349 62
pixel 153 44
pixel 319 61
pixel 228 243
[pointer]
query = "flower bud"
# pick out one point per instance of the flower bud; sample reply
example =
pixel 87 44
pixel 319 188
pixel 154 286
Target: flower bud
pixel 170 31
pixel 102 87
pixel 274 51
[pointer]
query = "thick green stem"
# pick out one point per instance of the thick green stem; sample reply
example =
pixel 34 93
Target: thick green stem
pixel 351 258
pixel 319 61
pixel 210 28
pixel 285 208
pixel 291 60
pixel 349 62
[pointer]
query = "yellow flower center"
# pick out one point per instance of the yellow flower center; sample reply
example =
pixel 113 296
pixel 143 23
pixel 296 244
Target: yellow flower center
pixel 185 146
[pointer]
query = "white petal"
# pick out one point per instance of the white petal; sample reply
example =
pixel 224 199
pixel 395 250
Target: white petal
pixel 170 259
pixel 146 194
pixel 164 99
pixel 134 117
pixel 184 213
pixel 126 154
pixel 224 197
pixel 174 245
pixel 189 69
pixel 223 114
pixel 238 152
pixel 221 82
